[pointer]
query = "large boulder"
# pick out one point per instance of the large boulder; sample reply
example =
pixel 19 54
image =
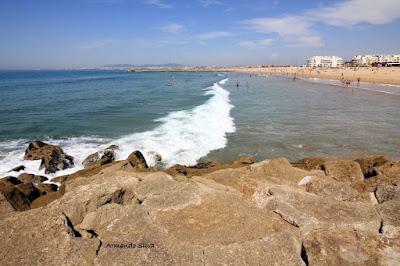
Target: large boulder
pixel 17 199
pixel 20 195
pixel 332 189
pixel 387 192
pixel 138 161
pixel 5 206
pixel 350 247
pixel 97 159
pixel 91 160
pixel 45 189
pixel 53 157
pixel 309 211
pixel 310 163
pixel 344 171
pixel 29 190
pixel 30 178
pixel 390 170
pixel 390 214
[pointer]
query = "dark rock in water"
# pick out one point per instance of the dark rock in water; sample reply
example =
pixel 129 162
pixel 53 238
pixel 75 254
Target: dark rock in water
pixel 108 156
pixel 369 163
pixel 30 178
pixel 94 160
pixel 17 169
pixel 91 160
pixel 112 147
pixel 36 150
pixel 56 161
pixel 137 159
pixel 53 157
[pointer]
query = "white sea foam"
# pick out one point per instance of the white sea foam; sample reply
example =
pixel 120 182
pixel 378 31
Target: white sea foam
pixel 12 154
pixel 183 137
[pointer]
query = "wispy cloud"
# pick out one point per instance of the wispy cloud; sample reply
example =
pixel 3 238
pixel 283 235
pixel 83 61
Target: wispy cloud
pixel 297 30
pixel 294 30
pixel 207 3
pixel 256 44
pixel 97 44
pixel 288 25
pixel 157 3
pixel 212 35
pixel 353 12
pixel 173 28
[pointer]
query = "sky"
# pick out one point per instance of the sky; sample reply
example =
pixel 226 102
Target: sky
pixel 55 34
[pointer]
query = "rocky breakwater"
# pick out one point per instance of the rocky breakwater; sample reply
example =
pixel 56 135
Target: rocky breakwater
pixel 312 212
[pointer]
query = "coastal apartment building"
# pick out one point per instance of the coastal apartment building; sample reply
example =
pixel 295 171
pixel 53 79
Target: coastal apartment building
pixel 376 60
pixel 325 62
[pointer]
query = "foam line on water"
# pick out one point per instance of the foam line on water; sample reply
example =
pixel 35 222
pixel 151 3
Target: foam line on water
pixel 182 137
pixel 185 136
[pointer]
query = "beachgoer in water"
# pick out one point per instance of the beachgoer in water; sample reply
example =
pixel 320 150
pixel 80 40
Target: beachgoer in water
pixel 237 83
pixel 358 81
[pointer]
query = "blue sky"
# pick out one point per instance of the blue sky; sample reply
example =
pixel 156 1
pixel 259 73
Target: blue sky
pixel 90 33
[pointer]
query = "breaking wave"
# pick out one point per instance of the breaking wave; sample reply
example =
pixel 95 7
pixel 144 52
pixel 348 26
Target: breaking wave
pixel 182 137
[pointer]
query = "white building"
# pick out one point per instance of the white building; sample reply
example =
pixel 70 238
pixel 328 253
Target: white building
pixel 325 61
pixel 369 60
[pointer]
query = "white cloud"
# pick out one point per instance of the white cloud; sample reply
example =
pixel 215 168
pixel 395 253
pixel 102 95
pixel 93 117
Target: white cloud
pixel 353 12
pixel 297 30
pixel 157 3
pixel 288 25
pixel 174 28
pixel 256 44
pixel 294 30
pixel 97 44
pixel 213 35
pixel 207 3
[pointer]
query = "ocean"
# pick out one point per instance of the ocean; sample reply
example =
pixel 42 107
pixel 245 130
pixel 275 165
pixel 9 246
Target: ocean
pixel 191 117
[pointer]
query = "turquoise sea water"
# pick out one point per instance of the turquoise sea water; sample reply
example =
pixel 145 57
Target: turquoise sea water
pixel 190 116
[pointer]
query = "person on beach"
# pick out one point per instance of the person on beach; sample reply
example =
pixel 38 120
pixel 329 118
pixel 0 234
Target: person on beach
pixel 358 81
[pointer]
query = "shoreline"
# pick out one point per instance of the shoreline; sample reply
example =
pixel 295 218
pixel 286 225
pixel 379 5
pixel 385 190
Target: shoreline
pixel 388 76
pixel 371 75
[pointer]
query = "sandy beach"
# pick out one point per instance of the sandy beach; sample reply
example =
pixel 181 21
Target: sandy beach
pixel 383 75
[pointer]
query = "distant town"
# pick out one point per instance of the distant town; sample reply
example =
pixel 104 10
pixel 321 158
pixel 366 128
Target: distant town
pixel 356 61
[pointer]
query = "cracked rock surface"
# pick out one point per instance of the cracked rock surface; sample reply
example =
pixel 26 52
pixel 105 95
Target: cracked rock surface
pixel 266 213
